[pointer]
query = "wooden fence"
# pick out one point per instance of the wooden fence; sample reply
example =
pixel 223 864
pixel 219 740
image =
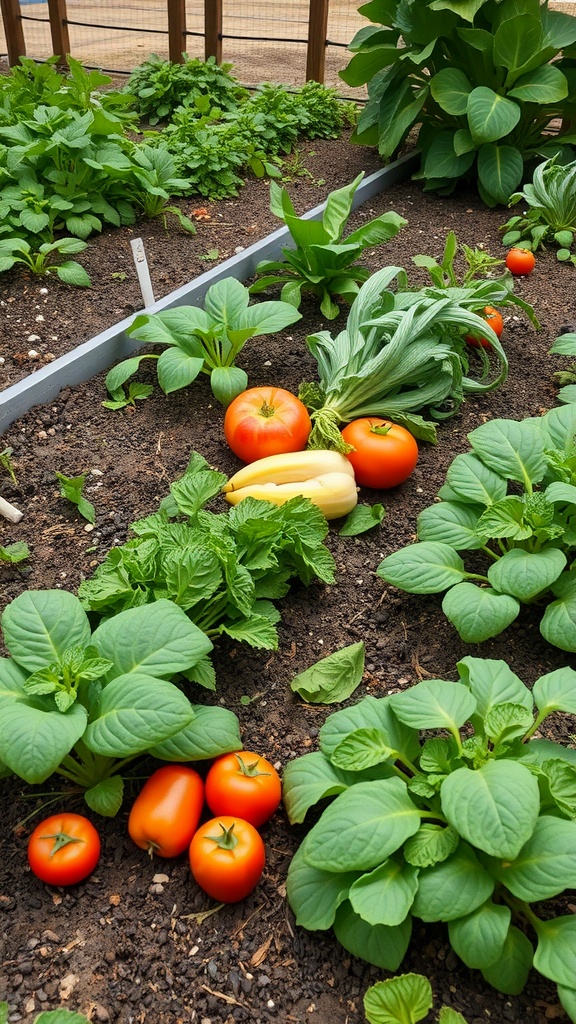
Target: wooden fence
pixel 174 24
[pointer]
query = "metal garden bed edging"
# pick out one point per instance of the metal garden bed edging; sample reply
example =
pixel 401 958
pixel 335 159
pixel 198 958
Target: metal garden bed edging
pixel 113 344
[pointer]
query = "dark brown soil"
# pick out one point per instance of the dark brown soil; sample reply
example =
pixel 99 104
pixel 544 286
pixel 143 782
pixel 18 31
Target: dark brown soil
pixel 138 941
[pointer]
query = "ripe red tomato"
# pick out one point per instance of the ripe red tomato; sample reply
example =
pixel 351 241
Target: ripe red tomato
pixel 520 261
pixel 63 849
pixel 384 455
pixel 266 421
pixel 244 784
pixel 227 858
pixel 492 317
pixel 166 812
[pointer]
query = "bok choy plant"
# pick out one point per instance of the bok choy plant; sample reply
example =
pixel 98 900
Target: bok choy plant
pixel 399 353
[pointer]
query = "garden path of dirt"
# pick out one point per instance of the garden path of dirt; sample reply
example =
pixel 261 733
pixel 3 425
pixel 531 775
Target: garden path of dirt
pixel 138 941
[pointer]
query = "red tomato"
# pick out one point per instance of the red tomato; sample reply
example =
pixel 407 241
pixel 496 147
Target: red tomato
pixel 520 261
pixel 266 421
pixel 384 454
pixel 244 784
pixel 63 849
pixel 227 858
pixel 492 317
pixel 166 812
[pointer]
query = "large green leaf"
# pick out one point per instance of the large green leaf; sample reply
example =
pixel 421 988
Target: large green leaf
pixel 34 738
pixel 500 170
pixel 385 895
pixel 423 568
pixel 474 482
pixel 555 955
pixel 546 864
pixel 378 944
pixel 430 845
pixel 558 624
pixel 369 713
pixel 375 817
pixel 516 40
pixel 494 807
pixel 478 613
pixel 543 85
pixel 227 382
pixel 490 116
pixel 135 712
pixel 454 887
pixel 493 682
pixel 452 523
pixel 39 625
pixel 311 778
pixel 157 639
pixel 434 704
pixel 177 369
pixel 313 894
pixel 524 574
pixel 556 691
pixel 441 159
pixel 332 679
pixel 509 973
pixel 513 449
pixel 212 731
pixel 479 937
pixel 450 88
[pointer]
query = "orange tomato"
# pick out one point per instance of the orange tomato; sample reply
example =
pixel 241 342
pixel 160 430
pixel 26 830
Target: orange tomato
pixel 384 454
pixel 63 849
pixel 266 421
pixel 166 812
pixel 244 784
pixel 520 261
pixel 227 858
pixel 493 317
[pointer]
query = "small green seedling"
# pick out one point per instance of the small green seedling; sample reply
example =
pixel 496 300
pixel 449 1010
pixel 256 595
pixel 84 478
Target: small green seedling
pixel 71 488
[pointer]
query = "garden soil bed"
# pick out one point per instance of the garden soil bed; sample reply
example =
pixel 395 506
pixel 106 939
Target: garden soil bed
pixel 138 941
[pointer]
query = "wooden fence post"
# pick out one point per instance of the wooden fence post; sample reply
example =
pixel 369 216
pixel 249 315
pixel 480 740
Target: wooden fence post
pixel 59 29
pixel 13 30
pixel 213 29
pixel 176 30
pixel 317 33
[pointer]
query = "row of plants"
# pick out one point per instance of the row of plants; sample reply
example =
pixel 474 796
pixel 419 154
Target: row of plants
pixel 71 161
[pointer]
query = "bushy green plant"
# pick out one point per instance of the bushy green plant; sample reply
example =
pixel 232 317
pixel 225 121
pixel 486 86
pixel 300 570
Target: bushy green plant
pixel 204 340
pixel 82 705
pixel 323 262
pixel 481 79
pixel 322 114
pixel 444 808
pixel 160 86
pixel 512 501
pixel 551 217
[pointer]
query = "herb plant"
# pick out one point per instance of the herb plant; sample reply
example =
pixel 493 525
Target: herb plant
pixel 83 705
pixel 204 340
pixel 512 501
pixel 551 217
pixel 444 807
pixel 158 87
pixel 400 352
pixel 481 80
pixel 223 569
pixel 323 262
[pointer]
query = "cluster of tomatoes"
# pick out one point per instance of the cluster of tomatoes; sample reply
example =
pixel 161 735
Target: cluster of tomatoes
pixel 226 853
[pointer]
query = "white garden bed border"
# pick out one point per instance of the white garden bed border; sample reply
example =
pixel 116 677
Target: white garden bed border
pixel 112 345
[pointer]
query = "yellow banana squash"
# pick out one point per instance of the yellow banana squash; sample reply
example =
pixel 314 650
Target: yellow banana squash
pixel 325 477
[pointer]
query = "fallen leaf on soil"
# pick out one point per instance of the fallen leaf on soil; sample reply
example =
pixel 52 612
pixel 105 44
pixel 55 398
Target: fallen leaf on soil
pixel 261 953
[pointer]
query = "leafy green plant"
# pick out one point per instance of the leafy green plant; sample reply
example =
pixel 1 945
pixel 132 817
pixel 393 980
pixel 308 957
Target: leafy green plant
pixel 551 218
pixel 323 262
pixel 512 500
pixel 223 569
pixel 404 999
pixel 159 86
pixel 482 80
pixel 7 464
pixel 72 488
pixel 153 182
pixel 400 352
pixel 204 340
pixel 444 807
pixel 321 114
pixel 83 705
pixel 122 397
pixel 14 553
pixel 41 260
pixel 332 679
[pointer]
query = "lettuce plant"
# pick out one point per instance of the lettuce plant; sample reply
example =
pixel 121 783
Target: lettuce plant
pixel 512 501
pixel 551 215
pixel 481 80
pixel 82 705
pixel 323 262
pixel 444 807
pixel 204 340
